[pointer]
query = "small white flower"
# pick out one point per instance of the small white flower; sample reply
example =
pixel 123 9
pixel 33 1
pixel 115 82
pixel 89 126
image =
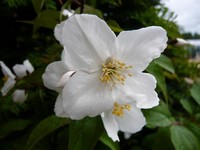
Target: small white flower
pixel 9 79
pixel 29 67
pixel 181 42
pixel 6 71
pixel 8 85
pixel 106 68
pixel 67 12
pixel 19 96
pixel 21 69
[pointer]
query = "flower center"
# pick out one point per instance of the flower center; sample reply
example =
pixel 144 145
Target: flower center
pixel 5 78
pixel 118 109
pixel 115 71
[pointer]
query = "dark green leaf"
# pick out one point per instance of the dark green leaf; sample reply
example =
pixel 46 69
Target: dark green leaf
pixel 43 128
pixel 183 138
pixel 195 128
pixel 166 63
pixel 90 10
pixel 37 5
pixel 47 19
pixel 109 142
pixel 114 26
pixel 187 105
pixel 13 125
pixel 85 133
pixel 195 92
pixel 156 140
pixel 158 116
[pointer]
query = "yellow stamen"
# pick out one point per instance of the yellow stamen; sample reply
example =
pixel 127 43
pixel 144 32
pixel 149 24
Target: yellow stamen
pixel 118 109
pixel 5 78
pixel 115 71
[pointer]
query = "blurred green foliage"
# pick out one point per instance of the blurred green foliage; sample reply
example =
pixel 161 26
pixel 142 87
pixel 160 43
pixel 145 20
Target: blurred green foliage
pixel 27 29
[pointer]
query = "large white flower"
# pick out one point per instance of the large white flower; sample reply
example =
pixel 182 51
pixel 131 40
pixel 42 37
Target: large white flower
pixel 106 67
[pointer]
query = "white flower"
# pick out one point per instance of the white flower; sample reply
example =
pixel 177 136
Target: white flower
pixel 107 68
pixel 126 115
pixel 21 69
pixel 181 42
pixel 19 96
pixel 29 67
pixel 8 85
pixel 68 12
pixel 178 42
pixel 6 71
pixel 9 79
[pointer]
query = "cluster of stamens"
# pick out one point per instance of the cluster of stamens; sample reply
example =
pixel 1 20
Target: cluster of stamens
pixel 118 109
pixel 115 71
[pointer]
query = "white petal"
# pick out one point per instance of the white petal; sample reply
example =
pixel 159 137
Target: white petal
pixel 141 89
pixel 110 125
pixel 29 67
pixel 59 109
pixel 67 12
pixel 8 85
pixel 6 71
pixel 87 40
pixel 85 95
pixel 139 47
pixel 132 121
pixel 19 96
pixel 63 80
pixel 58 31
pixel 19 70
pixel 53 74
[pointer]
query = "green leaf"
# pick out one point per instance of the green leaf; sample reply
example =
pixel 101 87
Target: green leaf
pixel 183 139
pixel 155 70
pixel 109 142
pixel 47 19
pixel 158 116
pixel 13 125
pixel 43 128
pixel 166 63
pixel 195 92
pixel 187 105
pixel 90 10
pixel 114 26
pixel 195 128
pixel 155 141
pixel 37 5
pixel 85 133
